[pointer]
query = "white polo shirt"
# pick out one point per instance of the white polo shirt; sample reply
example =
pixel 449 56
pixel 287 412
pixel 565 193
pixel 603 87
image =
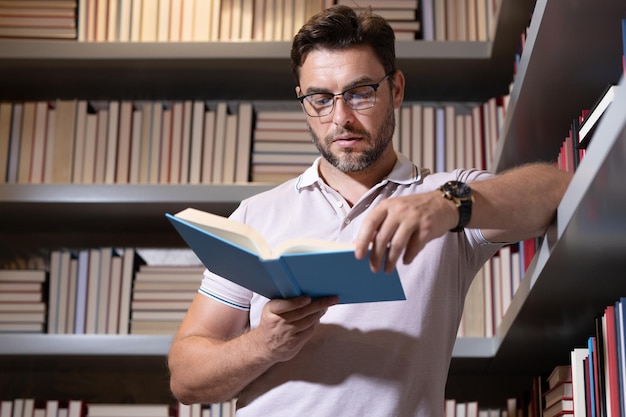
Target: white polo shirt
pixel 370 359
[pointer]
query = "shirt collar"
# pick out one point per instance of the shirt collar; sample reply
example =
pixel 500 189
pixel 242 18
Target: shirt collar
pixel 403 172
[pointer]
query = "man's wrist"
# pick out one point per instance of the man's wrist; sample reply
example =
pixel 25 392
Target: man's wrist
pixel 461 195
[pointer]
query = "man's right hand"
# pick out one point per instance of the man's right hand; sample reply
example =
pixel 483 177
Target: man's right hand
pixel 287 324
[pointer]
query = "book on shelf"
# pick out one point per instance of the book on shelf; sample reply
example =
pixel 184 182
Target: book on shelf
pixel 128 410
pixel 563 407
pixel 560 374
pixel 599 358
pixel 612 392
pixel 597 110
pixel 22 275
pixel 624 47
pixel 300 267
pixel 578 357
pixel 562 390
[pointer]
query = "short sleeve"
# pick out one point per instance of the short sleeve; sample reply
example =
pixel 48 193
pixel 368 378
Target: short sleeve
pixel 225 292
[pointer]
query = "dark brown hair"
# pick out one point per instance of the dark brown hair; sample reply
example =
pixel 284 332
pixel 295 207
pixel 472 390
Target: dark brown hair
pixel 340 27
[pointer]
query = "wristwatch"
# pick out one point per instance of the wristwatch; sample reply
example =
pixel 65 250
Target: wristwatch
pixel 461 194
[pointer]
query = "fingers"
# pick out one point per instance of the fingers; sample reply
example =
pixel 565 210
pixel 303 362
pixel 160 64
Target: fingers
pixel 287 324
pixel 398 227
pixel 385 235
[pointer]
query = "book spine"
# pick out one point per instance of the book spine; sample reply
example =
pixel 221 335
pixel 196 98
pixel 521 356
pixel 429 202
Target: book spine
pixel 282 277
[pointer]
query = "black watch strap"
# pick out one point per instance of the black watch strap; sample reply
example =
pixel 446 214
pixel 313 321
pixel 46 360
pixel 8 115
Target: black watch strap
pixel 465 213
pixel 461 194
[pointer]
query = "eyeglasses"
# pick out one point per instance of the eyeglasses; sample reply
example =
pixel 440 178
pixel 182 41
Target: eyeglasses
pixel 360 97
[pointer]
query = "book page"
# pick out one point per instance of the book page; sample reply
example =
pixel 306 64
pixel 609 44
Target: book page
pixel 295 246
pixel 250 239
pixel 238 233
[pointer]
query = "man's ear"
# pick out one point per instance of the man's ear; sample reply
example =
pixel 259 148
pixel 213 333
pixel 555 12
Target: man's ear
pixel 398 89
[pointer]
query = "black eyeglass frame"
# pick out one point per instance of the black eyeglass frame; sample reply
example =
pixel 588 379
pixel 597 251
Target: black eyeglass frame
pixel 375 86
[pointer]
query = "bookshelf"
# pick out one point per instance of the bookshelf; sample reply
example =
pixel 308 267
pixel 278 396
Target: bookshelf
pixel 127 215
pixel 576 271
pixel 562 71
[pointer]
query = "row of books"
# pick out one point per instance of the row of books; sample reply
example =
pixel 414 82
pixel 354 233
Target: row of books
pixel 445 137
pixel 593 383
pixel 439 137
pixel 193 20
pixel 101 291
pixel 198 142
pixel 126 291
pixel 454 408
pixel 90 290
pixel 574 146
pixel 38 19
pixel 79 408
pixel 493 289
pixel 121 142
pixel 231 20
pixel 30 407
pixel 452 20
pixel 141 291
pixel 598 370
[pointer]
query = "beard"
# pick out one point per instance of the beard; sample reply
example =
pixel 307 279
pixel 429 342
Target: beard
pixel 350 161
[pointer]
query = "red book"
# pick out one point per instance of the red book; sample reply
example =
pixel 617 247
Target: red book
pixel 529 249
pixel 612 363
pixel 588 385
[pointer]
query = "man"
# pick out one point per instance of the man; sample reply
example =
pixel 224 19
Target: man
pixel 300 357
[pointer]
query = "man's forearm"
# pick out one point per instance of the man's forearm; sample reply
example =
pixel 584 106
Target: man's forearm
pixel 212 371
pixel 519 203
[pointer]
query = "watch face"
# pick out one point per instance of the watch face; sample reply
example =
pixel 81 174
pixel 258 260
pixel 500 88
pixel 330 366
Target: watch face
pixel 458 189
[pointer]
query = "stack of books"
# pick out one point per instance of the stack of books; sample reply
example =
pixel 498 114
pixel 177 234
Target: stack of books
pixel 282 146
pixel 558 399
pixel 402 15
pixel 22 306
pixel 161 296
pixel 38 19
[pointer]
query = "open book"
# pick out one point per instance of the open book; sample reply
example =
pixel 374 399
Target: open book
pixel 311 267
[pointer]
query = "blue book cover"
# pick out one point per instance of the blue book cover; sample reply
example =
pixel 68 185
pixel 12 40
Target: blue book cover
pixel 592 381
pixel 624 45
pixel 303 267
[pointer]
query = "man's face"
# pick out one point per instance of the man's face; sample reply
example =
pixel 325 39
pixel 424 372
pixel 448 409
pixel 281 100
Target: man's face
pixel 350 140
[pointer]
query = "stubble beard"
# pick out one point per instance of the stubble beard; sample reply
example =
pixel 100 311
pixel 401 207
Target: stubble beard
pixel 349 161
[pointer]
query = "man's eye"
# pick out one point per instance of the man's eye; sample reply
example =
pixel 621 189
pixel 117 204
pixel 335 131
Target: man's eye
pixel 320 100
pixel 360 93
